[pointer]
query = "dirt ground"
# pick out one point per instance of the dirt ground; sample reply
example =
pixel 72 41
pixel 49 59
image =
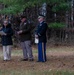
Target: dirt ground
pixel 58 58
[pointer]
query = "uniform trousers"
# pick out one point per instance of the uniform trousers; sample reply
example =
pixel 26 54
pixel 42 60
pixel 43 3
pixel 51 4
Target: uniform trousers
pixel 42 52
pixel 27 50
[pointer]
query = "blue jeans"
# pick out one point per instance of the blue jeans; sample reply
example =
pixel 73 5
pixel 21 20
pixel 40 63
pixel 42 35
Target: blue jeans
pixel 42 52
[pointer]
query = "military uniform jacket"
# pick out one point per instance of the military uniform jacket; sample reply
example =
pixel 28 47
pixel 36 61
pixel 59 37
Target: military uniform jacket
pixel 26 31
pixel 41 31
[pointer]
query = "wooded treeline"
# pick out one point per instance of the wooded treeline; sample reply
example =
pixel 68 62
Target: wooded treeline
pixel 59 16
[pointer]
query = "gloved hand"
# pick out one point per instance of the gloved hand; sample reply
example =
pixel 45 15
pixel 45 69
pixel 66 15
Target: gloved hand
pixel 19 32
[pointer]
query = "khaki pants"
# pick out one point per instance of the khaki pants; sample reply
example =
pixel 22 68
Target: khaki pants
pixel 7 52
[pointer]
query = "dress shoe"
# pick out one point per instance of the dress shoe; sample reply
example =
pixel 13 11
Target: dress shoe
pixel 41 61
pixel 38 61
pixel 24 59
pixel 31 59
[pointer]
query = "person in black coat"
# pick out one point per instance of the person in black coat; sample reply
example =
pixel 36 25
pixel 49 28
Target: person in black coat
pixel 7 40
pixel 41 35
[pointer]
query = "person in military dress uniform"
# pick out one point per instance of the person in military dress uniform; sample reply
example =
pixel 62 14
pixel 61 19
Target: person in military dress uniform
pixel 40 33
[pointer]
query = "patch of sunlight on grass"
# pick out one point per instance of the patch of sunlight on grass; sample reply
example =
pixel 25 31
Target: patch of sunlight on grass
pixel 19 52
pixel 16 52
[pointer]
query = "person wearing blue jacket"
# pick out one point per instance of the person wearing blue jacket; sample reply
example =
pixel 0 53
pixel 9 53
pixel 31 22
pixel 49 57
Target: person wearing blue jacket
pixel 7 40
pixel 41 35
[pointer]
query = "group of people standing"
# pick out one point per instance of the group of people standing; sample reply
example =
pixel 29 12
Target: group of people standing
pixel 25 38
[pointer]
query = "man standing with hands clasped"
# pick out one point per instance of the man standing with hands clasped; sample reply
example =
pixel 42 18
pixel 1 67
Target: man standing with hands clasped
pixel 41 35
pixel 25 39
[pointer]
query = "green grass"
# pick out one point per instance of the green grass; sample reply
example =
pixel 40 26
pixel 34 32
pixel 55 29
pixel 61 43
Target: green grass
pixel 33 72
pixel 20 70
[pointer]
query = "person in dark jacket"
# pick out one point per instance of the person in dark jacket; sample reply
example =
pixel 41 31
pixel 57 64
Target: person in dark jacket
pixel 25 39
pixel 7 40
pixel 41 35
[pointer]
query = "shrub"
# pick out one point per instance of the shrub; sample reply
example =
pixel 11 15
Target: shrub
pixel 56 25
